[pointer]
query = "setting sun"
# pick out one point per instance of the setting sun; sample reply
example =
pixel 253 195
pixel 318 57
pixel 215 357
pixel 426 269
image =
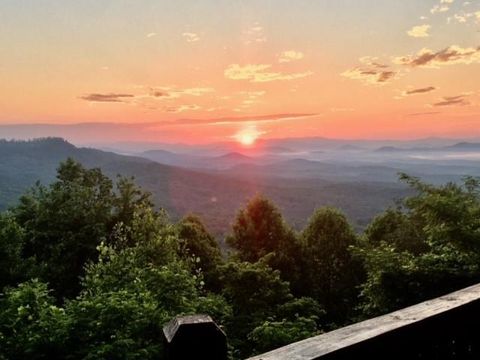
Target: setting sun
pixel 247 136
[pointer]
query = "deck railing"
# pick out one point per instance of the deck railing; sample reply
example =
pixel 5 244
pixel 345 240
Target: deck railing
pixel 443 328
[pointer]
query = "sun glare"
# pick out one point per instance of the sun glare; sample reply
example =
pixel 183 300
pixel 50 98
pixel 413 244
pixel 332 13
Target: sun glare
pixel 247 136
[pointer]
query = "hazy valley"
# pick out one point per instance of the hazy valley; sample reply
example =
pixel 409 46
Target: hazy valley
pixel 214 181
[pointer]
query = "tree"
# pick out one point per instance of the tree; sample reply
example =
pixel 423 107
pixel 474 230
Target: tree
pixel 65 222
pixel 12 266
pixel 295 320
pixel 428 249
pixel 331 274
pixel 130 293
pixel 260 298
pixel 260 232
pixel 129 197
pixel 254 291
pixel 397 228
pixel 197 244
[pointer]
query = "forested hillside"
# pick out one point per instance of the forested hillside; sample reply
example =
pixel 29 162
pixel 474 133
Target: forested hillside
pixel 180 191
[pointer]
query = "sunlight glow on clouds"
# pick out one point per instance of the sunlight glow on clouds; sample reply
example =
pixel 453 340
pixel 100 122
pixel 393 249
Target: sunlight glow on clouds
pixel 182 108
pixel 190 36
pixel 420 31
pixel 167 92
pixel 111 97
pixel 419 91
pixel 415 91
pixel 254 34
pixel 290 55
pixel 371 73
pixel 450 56
pixel 260 73
pixel 444 6
pixel 459 100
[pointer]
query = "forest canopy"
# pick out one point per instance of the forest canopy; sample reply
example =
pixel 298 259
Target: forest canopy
pixel 90 269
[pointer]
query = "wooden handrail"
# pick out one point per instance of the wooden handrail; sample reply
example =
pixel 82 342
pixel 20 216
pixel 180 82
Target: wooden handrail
pixel 443 328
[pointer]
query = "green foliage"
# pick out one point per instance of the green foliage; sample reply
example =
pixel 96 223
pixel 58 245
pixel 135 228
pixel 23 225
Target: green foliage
pixel 258 230
pixel 398 228
pixel 265 288
pixel 426 249
pixel 295 320
pixel 130 293
pixel 198 245
pixel 260 233
pixel 117 270
pixel 258 294
pixel 31 325
pixel 116 325
pixel 274 334
pixel 252 303
pixel 65 222
pixel 129 198
pixel 11 246
pixel 330 274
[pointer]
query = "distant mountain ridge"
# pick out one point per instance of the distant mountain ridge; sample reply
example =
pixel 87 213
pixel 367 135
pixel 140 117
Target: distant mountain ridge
pixel 215 196
pixel 464 146
pixel 234 156
pixel 461 146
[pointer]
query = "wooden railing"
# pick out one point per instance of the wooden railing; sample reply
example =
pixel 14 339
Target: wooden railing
pixel 444 328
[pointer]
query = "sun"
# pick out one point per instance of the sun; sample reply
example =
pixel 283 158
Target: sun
pixel 247 136
pixel 247 139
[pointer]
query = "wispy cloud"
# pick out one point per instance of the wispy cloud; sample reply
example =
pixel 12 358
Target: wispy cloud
pixel 459 100
pixel 240 119
pixel 371 76
pixel 260 73
pixel 250 98
pixel 371 72
pixel 428 113
pixel 419 91
pixel 439 9
pixel 290 55
pixel 443 6
pixel 254 34
pixel 111 97
pixel 449 56
pixel 191 37
pixel 182 108
pixel 167 92
pixel 463 17
pixel 336 110
pixel 372 61
pixel 419 31
pixel 152 34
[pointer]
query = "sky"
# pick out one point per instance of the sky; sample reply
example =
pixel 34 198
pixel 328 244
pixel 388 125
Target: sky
pixel 201 71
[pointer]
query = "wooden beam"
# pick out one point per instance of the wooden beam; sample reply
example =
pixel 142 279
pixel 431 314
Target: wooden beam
pixel 408 327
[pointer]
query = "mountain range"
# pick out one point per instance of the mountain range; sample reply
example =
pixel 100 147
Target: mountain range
pixel 216 195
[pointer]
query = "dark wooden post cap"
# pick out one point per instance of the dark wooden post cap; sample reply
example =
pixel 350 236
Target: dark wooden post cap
pixel 194 337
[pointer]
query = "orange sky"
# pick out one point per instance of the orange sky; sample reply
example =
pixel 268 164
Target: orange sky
pixel 344 69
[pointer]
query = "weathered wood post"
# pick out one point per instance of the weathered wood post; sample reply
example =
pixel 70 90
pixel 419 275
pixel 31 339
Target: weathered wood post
pixel 194 337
